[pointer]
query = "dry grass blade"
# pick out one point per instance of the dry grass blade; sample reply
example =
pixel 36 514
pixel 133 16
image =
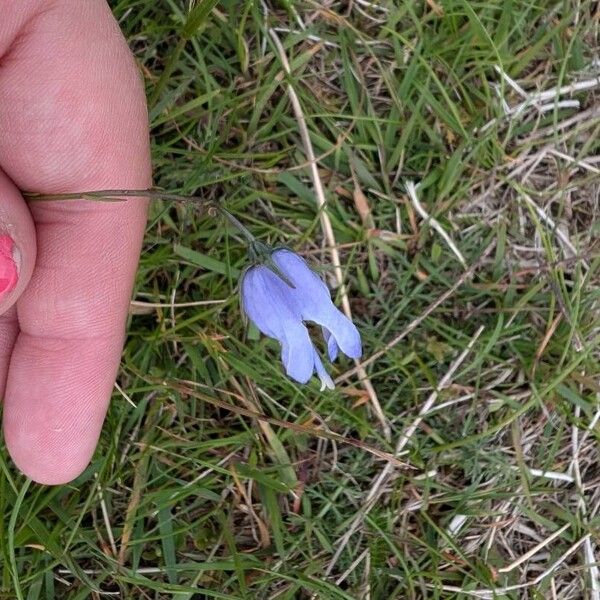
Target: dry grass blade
pixel 534 550
pixel 546 218
pixel 328 228
pixel 362 204
pixel 411 190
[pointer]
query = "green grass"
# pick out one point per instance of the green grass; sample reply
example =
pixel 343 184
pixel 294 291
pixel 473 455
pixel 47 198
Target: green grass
pixel 203 501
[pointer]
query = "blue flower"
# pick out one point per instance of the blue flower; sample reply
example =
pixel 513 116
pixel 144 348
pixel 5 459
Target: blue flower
pixel 280 311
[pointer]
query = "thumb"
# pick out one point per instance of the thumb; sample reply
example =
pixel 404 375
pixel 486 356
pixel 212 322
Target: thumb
pixel 17 244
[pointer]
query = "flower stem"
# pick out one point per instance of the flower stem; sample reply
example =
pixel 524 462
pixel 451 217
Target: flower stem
pixel 236 223
pixel 115 195
pixel 119 195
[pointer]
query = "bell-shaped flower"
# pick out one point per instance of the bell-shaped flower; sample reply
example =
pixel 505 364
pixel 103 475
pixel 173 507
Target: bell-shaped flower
pixel 280 298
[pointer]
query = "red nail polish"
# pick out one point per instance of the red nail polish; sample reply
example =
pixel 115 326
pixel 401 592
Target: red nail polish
pixel 8 268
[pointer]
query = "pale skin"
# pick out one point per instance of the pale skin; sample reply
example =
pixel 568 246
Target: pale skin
pixel 72 118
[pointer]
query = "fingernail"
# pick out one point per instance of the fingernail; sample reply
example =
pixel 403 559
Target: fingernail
pixel 8 268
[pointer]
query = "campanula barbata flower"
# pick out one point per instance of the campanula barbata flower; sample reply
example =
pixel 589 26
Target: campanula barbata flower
pixel 281 298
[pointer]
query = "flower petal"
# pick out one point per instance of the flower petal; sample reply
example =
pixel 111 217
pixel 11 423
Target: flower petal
pixel 326 381
pixel 265 303
pixel 332 347
pixel 308 283
pixel 297 353
pixel 342 329
pixel 312 297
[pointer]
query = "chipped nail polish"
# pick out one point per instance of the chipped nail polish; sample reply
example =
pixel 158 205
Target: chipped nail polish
pixel 8 268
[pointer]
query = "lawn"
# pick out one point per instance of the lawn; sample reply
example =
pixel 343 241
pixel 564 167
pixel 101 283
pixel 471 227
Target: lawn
pixel 446 153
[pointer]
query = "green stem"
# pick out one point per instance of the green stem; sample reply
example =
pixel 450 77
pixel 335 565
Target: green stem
pixel 236 223
pixel 114 195
pixel 118 195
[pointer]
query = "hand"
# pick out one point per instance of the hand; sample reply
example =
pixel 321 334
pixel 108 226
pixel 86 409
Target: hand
pixel 72 118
